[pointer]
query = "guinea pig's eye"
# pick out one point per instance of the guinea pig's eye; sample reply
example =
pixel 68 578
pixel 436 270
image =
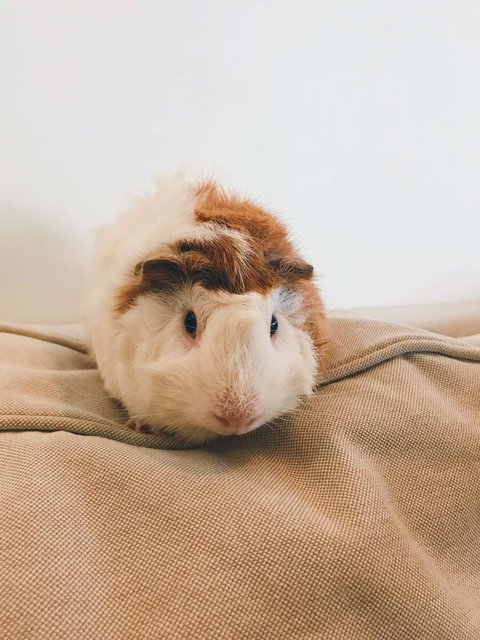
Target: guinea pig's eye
pixel 273 326
pixel 190 324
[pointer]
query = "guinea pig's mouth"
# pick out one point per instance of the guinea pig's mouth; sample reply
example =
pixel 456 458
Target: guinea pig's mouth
pixel 236 425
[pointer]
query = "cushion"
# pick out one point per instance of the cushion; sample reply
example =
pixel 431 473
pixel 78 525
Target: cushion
pixel 357 516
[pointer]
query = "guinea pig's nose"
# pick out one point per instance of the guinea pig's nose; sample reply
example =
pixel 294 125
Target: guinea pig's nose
pixel 236 423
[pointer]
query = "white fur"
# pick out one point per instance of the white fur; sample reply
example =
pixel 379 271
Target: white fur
pixel 164 378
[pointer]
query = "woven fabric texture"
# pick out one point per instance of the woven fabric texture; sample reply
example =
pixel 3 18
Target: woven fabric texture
pixel 358 516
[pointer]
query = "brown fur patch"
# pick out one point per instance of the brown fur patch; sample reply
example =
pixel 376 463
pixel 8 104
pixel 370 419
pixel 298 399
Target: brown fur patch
pixel 151 275
pixel 270 239
pixel 268 235
pixel 221 264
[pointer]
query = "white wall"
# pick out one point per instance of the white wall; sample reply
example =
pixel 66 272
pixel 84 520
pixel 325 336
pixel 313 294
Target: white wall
pixel 359 120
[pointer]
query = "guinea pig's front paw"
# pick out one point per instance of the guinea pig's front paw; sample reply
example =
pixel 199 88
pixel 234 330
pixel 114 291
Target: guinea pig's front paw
pixel 136 424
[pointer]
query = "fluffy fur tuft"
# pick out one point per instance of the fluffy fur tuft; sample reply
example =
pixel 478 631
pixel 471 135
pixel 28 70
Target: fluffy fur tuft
pixel 196 249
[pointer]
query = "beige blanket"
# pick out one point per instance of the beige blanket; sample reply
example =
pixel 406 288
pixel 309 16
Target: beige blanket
pixel 357 517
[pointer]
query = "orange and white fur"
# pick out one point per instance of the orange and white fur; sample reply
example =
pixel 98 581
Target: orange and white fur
pixel 203 318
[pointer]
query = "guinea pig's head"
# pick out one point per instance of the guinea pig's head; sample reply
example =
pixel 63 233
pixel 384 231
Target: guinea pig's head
pixel 226 334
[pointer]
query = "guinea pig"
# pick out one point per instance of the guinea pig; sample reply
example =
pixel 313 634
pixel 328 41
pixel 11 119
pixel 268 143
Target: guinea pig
pixel 202 316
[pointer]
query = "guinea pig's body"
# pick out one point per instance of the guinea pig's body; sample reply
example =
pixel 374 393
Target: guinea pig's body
pixel 202 316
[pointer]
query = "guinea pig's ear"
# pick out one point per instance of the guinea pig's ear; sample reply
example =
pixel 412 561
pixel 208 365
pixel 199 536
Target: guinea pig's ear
pixel 160 273
pixel 290 268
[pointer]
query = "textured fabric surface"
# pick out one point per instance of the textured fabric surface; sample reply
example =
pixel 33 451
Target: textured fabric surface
pixel 356 517
pixel 451 319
